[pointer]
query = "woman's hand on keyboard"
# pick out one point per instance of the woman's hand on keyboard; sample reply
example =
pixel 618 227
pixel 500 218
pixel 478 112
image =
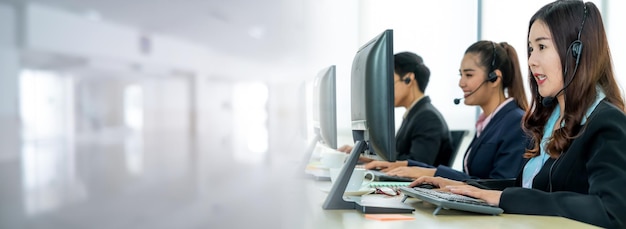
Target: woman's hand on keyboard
pixel 436 181
pixel 412 172
pixel 492 197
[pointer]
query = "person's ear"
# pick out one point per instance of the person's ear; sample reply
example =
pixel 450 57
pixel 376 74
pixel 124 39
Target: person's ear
pixel 408 78
pixel 498 77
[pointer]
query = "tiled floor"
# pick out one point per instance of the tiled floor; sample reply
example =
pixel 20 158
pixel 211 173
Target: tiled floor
pixel 157 180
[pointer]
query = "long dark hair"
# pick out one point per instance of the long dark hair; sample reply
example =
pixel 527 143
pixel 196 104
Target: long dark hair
pixel 564 20
pixel 507 62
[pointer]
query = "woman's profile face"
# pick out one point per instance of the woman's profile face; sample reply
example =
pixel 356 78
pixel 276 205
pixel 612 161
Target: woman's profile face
pixel 544 60
pixel 472 76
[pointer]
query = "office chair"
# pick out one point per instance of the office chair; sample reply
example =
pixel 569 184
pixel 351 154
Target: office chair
pixel 456 140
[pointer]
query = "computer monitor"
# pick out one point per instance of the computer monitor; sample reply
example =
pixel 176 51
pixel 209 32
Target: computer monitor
pixel 324 112
pixel 372 98
pixel 373 126
pixel 325 106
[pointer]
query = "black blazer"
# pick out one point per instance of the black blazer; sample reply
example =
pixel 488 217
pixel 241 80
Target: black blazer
pixel 498 152
pixel 424 136
pixel 586 183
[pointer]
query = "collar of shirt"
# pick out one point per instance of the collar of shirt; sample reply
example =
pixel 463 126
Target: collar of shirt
pixel 411 107
pixel 533 166
pixel 483 120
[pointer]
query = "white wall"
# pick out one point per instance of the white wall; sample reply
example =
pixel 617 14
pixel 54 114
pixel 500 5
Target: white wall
pixel 60 32
pixel 53 30
pixel 215 117
pixel 613 18
pixel 334 41
pixel 166 104
pixel 511 26
pixel 283 134
pixel 426 28
pixel 99 103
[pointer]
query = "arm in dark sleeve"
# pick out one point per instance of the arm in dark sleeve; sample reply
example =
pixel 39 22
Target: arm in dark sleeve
pixel 418 164
pixel 605 205
pixel 509 157
pixel 426 139
pixel 447 172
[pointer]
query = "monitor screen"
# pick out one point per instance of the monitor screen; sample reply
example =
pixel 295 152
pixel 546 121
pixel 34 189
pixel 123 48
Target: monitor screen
pixel 372 96
pixel 325 106
pixel 372 121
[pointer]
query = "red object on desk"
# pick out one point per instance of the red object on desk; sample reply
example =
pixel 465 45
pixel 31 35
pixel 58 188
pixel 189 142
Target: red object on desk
pixel 387 217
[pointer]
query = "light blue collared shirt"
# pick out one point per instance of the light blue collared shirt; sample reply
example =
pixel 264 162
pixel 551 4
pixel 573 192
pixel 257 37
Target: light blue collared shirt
pixel 534 164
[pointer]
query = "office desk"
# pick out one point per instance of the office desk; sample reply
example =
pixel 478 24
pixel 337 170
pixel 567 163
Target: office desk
pixel 320 218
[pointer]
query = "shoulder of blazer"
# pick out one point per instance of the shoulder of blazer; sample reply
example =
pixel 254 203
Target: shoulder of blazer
pixel 509 108
pixel 605 114
pixel 605 117
pixel 422 105
pixel 510 114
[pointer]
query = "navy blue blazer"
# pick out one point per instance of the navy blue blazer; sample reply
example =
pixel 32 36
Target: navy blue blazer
pixel 498 152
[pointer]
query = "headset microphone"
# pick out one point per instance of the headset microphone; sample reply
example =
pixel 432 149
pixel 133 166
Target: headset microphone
pixel 547 101
pixel 458 100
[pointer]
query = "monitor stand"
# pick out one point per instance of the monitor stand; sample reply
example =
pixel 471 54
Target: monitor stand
pixel 335 199
pixel 308 154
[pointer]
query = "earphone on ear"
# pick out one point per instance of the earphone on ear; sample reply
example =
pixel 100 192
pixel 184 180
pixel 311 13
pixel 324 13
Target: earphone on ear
pixel 492 76
pixel 577 48
pixel 577 45
pixel 407 80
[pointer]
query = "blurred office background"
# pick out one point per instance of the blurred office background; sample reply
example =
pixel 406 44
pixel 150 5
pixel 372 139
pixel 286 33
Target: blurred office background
pixel 193 113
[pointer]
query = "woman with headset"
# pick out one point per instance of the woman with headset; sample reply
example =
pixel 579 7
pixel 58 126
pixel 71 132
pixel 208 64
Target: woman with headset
pixel 577 165
pixel 423 135
pixel 489 72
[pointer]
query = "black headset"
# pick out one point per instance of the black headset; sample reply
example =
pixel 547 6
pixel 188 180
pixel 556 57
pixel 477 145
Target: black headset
pixel 577 45
pixel 407 80
pixel 492 76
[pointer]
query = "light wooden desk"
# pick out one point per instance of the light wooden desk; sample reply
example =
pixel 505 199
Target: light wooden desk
pixel 320 218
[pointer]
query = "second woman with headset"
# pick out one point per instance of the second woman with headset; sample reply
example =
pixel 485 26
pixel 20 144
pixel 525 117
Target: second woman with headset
pixel 489 72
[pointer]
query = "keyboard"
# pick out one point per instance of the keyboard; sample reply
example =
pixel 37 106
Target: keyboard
pixel 448 200
pixel 380 176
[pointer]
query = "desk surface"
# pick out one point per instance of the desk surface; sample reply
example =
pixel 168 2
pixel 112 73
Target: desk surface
pixel 320 218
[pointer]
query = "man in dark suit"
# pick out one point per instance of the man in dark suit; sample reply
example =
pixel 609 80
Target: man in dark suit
pixel 423 135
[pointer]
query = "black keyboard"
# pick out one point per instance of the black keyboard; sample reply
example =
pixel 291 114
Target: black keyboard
pixel 448 200
pixel 380 176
